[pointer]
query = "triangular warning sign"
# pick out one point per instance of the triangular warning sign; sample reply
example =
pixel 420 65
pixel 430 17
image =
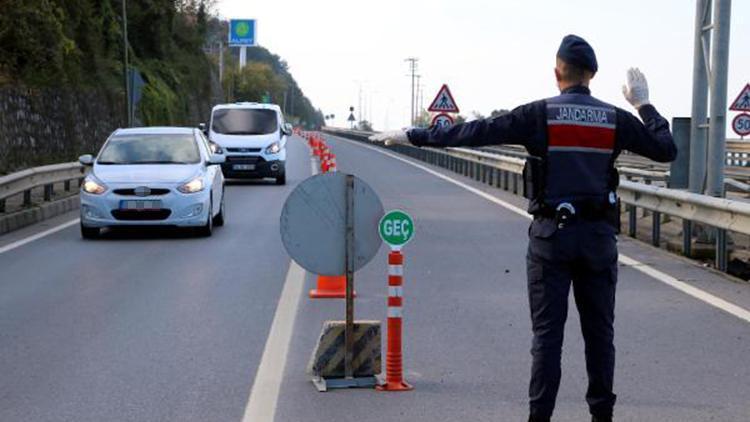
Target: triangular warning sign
pixel 444 102
pixel 742 103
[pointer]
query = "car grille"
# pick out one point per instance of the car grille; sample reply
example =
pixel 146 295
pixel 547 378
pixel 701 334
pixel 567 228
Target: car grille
pixel 141 215
pixel 141 191
pixel 244 160
pixel 243 150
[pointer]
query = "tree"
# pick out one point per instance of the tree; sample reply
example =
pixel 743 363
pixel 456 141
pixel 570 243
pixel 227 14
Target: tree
pixel 423 119
pixel 364 125
pixel 256 81
pixel 500 112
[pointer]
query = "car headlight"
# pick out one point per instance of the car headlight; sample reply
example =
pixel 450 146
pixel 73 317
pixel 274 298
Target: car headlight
pixel 193 186
pixel 93 185
pixel 274 148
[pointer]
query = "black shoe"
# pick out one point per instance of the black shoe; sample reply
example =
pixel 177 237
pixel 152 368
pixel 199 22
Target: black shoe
pixel 601 419
pixel 538 419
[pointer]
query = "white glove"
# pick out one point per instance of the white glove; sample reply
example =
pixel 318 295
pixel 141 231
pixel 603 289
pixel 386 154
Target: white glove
pixel 395 137
pixel 636 89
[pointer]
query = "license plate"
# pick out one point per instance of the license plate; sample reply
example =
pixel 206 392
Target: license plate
pixel 243 167
pixel 140 205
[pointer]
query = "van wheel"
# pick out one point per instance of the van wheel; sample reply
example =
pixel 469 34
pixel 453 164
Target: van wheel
pixel 281 180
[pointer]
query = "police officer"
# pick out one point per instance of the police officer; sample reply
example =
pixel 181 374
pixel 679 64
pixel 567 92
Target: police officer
pixel 573 140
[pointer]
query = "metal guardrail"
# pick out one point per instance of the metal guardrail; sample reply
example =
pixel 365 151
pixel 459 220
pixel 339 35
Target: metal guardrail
pixel 504 172
pixel 24 181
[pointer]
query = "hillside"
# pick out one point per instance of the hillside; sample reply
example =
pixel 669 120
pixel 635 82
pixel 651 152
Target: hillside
pixel 62 74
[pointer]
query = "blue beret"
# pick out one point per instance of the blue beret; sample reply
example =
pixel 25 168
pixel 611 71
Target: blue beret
pixel 575 50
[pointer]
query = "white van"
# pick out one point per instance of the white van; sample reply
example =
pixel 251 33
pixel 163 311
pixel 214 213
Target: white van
pixel 253 138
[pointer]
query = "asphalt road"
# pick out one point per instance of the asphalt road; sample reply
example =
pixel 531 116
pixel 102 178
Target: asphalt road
pixel 144 326
pixel 467 322
pixel 166 327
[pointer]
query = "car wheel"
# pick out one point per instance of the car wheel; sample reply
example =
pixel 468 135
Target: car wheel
pixel 219 219
pixel 208 229
pixel 90 232
pixel 281 180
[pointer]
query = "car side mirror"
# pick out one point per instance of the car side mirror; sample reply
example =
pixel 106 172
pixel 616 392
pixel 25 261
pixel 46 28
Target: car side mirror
pixel 86 160
pixel 203 128
pixel 216 159
pixel 287 129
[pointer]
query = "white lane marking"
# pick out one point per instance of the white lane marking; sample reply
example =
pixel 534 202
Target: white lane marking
pixel 686 288
pixel 264 395
pixel 21 242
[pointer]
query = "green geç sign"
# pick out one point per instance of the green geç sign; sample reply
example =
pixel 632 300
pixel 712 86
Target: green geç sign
pixel 396 228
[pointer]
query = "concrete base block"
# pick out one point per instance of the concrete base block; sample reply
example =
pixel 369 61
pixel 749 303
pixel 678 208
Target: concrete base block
pixel 327 360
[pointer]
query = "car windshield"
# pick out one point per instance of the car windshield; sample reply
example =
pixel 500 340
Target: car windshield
pixel 238 121
pixel 150 149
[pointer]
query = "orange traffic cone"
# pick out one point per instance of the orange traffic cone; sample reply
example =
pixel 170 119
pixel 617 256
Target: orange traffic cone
pixel 330 287
pixel 332 163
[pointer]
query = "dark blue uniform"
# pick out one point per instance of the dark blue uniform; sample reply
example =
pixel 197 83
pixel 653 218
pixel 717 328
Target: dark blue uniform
pixel 580 137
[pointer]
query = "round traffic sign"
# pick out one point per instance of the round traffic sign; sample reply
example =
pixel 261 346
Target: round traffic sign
pixel 442 120
pixel 741 124
pixel 396 228
pixel 313 224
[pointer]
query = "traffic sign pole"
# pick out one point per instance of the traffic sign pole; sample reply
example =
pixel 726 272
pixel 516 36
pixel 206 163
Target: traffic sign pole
pixel 396 229
pixel 394 363
pixel 349 329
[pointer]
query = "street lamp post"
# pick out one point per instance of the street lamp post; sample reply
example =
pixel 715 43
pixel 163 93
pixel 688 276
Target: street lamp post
pixel 126 66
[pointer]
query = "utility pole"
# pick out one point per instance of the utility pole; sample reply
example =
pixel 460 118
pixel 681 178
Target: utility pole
pixel 221 61
pixel 417 107
pixel 126 66
pixel 718 103
pixel 359 109
pixel 699 116
pixel 413 69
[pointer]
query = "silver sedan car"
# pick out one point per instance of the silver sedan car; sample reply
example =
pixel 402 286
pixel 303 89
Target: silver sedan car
pixel 155 176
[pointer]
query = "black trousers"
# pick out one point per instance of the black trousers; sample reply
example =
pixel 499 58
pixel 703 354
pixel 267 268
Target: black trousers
pixel 584 254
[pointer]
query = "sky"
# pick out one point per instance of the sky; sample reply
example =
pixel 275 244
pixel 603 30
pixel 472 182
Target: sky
pixel 493 54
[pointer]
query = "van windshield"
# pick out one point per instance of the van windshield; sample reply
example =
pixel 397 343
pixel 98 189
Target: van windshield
pixel 239 121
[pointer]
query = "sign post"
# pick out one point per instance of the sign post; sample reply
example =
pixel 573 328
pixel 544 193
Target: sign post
pixel 329 227
pixel 242 34
pixel 396 229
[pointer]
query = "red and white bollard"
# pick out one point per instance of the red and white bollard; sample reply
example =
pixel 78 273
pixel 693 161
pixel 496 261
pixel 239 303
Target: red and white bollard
pixel 394 370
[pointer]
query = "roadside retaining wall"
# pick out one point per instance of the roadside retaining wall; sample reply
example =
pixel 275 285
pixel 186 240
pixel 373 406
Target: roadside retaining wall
pixel 53 125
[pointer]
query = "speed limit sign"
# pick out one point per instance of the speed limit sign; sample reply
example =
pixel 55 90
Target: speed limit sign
pixel 741 124
pixel 442 120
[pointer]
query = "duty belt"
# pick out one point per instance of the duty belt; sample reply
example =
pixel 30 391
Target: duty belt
pixel 567 212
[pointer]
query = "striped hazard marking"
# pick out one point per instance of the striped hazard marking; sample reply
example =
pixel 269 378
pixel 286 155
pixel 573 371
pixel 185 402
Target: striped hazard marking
pixel 327 360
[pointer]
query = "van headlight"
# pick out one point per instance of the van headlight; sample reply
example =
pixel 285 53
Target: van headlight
pixel 274 148
pixel 193 186
pixel 215 148
pixel 93 185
